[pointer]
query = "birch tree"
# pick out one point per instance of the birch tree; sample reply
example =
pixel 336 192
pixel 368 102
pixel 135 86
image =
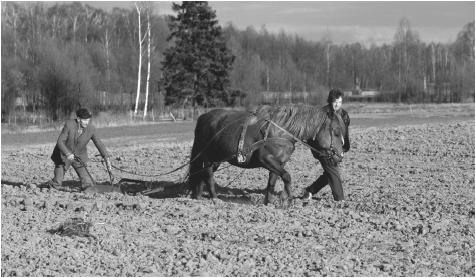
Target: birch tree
pixel 149 10
pixel 107 41
pixel 327 41
pixel 139 70
pixel 406 41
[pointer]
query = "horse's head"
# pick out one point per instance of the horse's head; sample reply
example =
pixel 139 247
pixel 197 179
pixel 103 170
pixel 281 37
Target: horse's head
pixel 324 130
pixel 329 140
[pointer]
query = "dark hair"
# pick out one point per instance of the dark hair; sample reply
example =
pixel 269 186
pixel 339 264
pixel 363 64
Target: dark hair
pixel 83 113
pixel 333 95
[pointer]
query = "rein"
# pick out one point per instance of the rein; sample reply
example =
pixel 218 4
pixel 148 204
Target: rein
pixel 329 153
pixel 183 165
pixel 294 137
pixel 254 146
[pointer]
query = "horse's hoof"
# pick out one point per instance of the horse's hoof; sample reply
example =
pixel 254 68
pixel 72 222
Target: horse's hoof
pixel 306 197
pixel 285 204
pixel 269 204
pixel 285 201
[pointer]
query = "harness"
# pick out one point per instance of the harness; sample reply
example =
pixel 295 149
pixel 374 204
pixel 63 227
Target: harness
pixel 244 153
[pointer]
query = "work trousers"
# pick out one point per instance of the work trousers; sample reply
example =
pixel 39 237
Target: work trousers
pixel 83 174
pixel 330 176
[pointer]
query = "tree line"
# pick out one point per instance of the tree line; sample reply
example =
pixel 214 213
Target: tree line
pixel 58 57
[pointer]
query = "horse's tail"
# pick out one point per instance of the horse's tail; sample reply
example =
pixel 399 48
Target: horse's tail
pixel 195 167
pixel 196 160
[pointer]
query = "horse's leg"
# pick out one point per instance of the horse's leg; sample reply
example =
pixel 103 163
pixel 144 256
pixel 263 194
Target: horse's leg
pixel 273 177
pixel 275 166
pixel 196 164
pixel 286 193
pixel 200 187
pixel 213 182
pixel 210 180
pixel 198 183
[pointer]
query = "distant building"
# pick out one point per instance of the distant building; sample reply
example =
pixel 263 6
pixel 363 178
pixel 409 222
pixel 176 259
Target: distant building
pixel 361 95
pixel 283 97
pixel 357 94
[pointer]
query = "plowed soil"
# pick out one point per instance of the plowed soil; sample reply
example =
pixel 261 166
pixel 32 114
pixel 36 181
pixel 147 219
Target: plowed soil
pixel 409 211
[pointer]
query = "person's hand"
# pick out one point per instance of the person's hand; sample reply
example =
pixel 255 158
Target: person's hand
pixel 108 164
pixel 346 145
pixel 346 148
pixel 70 157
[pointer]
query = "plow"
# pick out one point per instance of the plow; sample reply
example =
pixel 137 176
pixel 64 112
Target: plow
pixel 128 186
pixel 158 189
pixel 133 187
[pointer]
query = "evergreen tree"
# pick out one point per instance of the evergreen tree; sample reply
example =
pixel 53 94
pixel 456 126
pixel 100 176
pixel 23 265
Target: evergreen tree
pixel 196 68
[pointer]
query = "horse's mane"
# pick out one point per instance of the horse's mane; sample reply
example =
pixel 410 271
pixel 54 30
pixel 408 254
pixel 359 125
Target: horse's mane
pixel 303 121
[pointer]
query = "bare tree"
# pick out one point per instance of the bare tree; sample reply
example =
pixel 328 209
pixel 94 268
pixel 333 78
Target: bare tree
pixel 328 50
pixel 327 40
pixel 405 40
pixel 433 62
pixel 149 10
pixel 267 78
pixel 107 40
pixel 11 16
pixel 139 70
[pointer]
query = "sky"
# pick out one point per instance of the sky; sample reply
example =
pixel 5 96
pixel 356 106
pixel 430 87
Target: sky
pixel 365 22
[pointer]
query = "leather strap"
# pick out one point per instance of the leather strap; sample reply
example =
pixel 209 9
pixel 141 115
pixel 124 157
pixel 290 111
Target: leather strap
pixel 241 156
pixel 243 151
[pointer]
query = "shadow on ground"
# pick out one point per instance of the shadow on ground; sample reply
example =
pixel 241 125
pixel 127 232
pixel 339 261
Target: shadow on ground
pixel 156 190
pixel 12 183
pixel 169 189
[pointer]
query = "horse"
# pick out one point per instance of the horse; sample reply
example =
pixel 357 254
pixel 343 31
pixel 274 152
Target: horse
pixel 263 138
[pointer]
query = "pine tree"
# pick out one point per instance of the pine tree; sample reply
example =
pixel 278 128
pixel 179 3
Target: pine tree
pixel 196 68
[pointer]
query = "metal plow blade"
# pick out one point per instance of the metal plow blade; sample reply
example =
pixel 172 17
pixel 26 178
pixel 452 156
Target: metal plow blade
pixel 154 189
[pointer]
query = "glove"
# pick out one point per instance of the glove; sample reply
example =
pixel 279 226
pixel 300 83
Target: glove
pixel 70 157
pixel 108 164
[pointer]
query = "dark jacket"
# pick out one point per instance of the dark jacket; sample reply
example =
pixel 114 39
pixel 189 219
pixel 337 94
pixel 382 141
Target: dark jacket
pixel 69 141
pixel 343 114
pixel 345 118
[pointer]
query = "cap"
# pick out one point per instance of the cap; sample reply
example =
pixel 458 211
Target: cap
pixel 83 113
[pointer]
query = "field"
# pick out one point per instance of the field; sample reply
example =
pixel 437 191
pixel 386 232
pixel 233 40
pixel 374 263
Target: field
pixel 409 209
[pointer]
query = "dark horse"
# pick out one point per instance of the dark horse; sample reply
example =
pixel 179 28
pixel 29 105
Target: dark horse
pixel 267 137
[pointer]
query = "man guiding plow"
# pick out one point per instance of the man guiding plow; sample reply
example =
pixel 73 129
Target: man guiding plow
pixel 71 150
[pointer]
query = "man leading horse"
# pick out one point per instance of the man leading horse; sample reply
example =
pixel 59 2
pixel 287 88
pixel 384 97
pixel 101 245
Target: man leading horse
pixel 264 138
pixel 331 175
